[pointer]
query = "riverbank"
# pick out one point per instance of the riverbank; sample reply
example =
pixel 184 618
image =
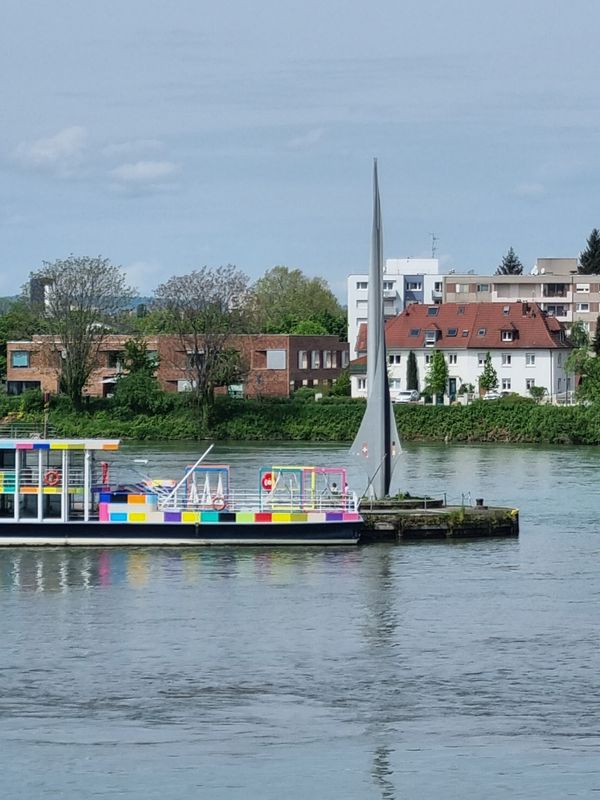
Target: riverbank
pixel 514 420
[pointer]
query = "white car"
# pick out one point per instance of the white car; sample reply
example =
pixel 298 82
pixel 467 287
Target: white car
pixel 493 395
pixel 409 396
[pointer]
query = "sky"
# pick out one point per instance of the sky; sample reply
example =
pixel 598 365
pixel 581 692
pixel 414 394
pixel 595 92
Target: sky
pixel 169 136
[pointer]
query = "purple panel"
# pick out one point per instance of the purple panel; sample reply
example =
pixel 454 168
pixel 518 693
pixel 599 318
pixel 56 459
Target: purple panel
pixel 172 516
pixel 334 516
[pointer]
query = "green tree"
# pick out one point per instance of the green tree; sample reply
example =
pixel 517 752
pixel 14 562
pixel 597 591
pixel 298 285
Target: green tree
pixel 205 308
pixel 412 373
pixel 510 264
pixel 488 379
pixel 587 366
pixel 19 321
pixel 285 297
pixel 538 393
pixel 342 386
pixel 578 336
pixel 589 259
pixel 436 379
pixel 84 297
pixel 596 339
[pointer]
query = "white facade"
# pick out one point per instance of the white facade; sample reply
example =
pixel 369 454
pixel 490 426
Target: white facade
pixel 405 281
pixel 517 370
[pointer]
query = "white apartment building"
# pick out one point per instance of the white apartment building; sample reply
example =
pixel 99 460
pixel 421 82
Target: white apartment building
pixel 554 284
pixel 405 281
pixel 527 347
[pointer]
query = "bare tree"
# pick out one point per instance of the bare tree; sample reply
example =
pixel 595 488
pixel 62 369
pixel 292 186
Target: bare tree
pixel 205 309
pixel 83 295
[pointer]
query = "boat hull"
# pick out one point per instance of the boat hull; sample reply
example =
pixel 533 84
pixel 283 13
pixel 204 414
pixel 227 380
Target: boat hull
pixel 100 534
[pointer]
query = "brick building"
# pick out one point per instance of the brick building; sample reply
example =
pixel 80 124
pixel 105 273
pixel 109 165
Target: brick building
pixel 275 364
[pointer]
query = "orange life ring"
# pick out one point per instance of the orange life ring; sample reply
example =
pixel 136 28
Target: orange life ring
pixel 219 504
pixel 52 477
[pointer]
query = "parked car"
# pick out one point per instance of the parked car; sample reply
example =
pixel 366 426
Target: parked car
pixel 492 395
pixel 409 396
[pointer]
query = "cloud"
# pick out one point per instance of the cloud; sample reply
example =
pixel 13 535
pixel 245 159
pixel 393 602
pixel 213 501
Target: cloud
pixel 307 140
pixel 61 153
pixel 530 189
pixel 144 173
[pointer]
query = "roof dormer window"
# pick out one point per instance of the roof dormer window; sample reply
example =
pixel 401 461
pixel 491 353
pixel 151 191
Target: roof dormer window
pixel 507 336
pixel 430 338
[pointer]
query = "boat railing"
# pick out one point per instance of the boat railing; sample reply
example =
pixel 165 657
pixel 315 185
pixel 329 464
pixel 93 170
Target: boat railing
pixel 252 501
pixel 29 477
pixel 25 430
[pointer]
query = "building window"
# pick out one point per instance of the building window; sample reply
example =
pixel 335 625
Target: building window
pixel 559 359
pixel 559 384
pixel 582 288
pixel 153 356
pixel 462 288
pixel 452 331
pixel 506 359
pixel 276 359
pixel 506 384
pixel 414 331
pixel 326 359
pixel 483 287
pixel 481 332
pixel 334 359
pixel 530 359
pixel 362 305
pixel 432 311
pixel 452 358
pixel 437 286
pixel 582 307
pixel 19 358
pixel 388 286
pixel 362 383
pixel 113 359
pixel 394 358
pixel 428 358
pixel 302 359
pixel 529 383
pixel 362 285
pixel 413 286
pixel 480 359
pixel 315 359
pixel 430 338
pixel 465 333
pixel 507 336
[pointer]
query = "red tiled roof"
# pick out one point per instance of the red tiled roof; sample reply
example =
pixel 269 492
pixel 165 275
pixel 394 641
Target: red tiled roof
pixel 478 326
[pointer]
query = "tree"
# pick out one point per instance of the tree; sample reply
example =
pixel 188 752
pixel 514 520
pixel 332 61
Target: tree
pixel 85 295
pixel 205 308
pixel 138 391
pixel 19 321
pixel 412 373
pixel 579 336
pixel 510 264
pixel 488 379
pixel 589 259
pixel 587 366
pixel 437 376
pixel 285 297
pixel 596 339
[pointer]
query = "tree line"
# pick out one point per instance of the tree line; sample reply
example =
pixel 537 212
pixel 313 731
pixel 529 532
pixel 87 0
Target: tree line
pixel 82 300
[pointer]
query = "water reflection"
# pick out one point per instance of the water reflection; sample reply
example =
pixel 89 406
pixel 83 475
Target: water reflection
pixel 60 570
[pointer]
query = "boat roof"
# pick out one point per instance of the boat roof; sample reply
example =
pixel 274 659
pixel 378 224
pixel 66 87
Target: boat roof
pixel 59 444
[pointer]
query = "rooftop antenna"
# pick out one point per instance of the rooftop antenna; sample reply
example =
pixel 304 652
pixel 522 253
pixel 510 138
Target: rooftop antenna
pixel 434 241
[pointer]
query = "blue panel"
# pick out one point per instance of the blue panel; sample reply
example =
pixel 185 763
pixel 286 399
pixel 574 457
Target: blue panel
pixel 118 516
pixel 104 497
pixel 41 446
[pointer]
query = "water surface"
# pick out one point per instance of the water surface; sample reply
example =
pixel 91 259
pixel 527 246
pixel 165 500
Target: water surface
pixel 417 671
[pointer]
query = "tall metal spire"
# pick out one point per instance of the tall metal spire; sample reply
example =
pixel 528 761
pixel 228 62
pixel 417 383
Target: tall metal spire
pixel 377 445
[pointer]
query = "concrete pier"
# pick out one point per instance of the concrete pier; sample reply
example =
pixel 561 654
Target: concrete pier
pixel 422 518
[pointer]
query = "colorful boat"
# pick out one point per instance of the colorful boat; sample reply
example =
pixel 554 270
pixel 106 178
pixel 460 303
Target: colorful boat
pixel 59 492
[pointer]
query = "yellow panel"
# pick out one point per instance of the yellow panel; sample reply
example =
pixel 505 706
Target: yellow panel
pixel 58 446
pixel 136 517
pixel 51 490
pixel 298 517
pixel 281 517
pixel 189 516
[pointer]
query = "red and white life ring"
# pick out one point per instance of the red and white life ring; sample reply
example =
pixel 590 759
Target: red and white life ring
pixel 219 503
pixel 52 477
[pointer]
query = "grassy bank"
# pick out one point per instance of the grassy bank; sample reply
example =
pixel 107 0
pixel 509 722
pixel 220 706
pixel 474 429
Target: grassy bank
pixel 331 419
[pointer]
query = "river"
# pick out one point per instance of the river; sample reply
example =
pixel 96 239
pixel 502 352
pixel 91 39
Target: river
pixel 429 670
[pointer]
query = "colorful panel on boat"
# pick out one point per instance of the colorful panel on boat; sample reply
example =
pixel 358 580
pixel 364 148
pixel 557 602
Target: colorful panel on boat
pixel 263 516
pixel 316 516
pixel 334 516
pixel 172 516
pixel 298 517
pixel 189 516
pixel 103 514
pixel 209 516
pixel 281 517
pixel 118 516
pixel 136 516
pixel 351 516
pixel 245 516
pixel 136 498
